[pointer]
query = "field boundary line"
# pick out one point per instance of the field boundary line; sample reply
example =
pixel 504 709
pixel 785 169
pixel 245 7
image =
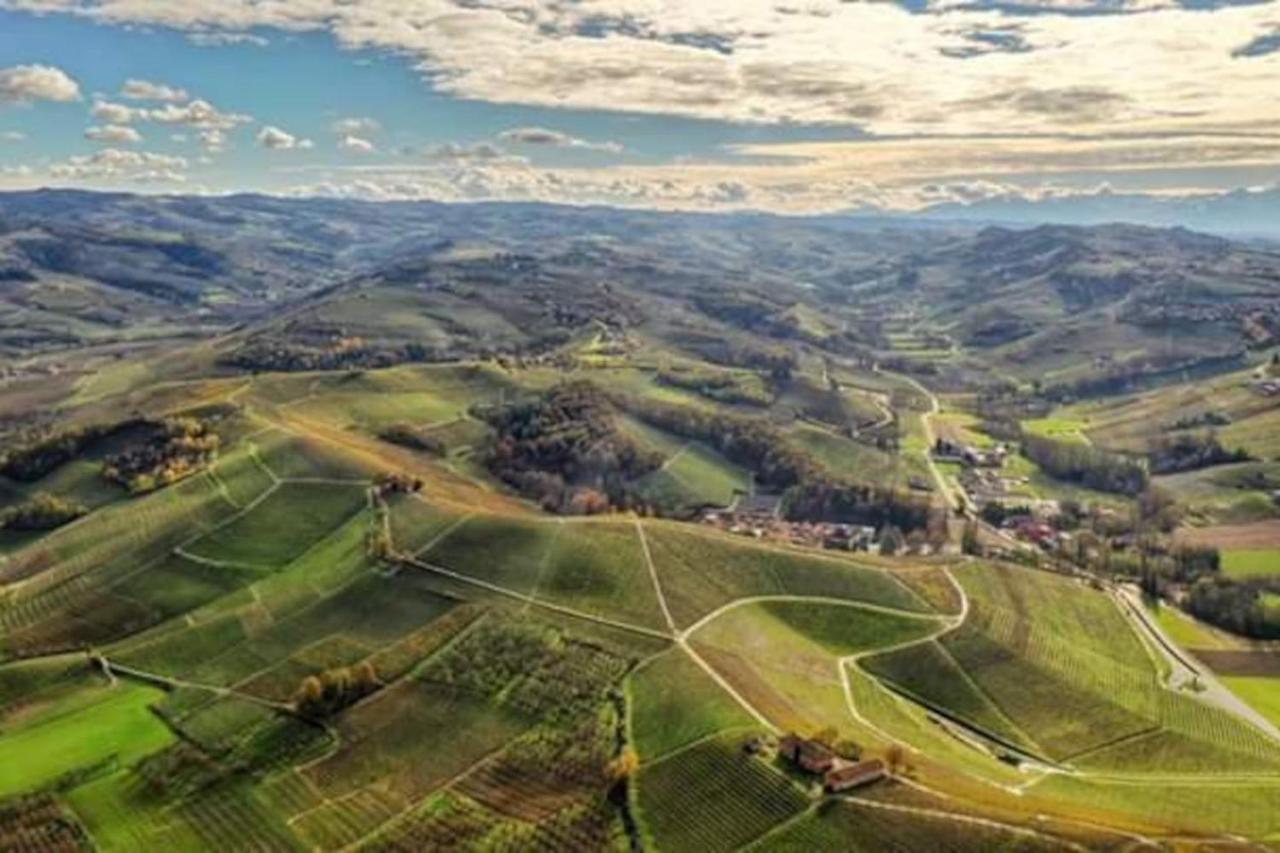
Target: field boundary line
pixel 231 519
pixel 171 683
pixel 653 575
pixel 958 817
pixel 817 599
pixel 728 688
pixel 256 456
pixel 520 596
pixel 544 563
pixel 221 486
pixel 439 537
pixel 698 741
pixel 1141 734
pixel 220 564
pixel 779 828
pixel 986 697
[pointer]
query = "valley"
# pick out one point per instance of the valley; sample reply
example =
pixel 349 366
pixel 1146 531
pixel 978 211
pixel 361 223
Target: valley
pixel 419 527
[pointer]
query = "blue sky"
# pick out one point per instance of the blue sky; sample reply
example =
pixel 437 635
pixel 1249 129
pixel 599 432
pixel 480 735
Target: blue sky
pixel 815 105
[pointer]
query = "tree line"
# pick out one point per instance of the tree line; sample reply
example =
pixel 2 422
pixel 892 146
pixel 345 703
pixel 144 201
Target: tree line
pixel 1086 465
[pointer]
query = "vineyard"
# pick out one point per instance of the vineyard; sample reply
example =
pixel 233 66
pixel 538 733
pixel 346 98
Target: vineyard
pixel 173 637
pixel 701 571
pixel 713 796
pixel 673 703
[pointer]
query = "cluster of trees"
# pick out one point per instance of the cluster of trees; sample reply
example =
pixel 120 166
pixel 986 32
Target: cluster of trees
pixel 827 499
pixel 42 512
pixel 1086 465
pixel 1125 376
pixel 44 454
pixel 171 449
pixel 1190 451
pixel 565 450
pixel 391 482
pixel 811 492
pixel 715 385
pixel 291 356
pixel 414 438
pixel 776 361
pixel 264 355
pixel 323 695
pixel 750 442
pixel 1236 605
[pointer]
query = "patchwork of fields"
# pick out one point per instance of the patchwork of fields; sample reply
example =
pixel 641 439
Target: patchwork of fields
pixel 494 678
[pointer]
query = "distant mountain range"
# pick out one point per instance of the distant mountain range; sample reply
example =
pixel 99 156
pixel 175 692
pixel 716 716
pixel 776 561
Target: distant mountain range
pixel 1240 213
pixel 302 279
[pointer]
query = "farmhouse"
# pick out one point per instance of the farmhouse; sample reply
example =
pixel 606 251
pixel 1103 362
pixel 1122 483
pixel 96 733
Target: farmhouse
pixel 854 775
pixel 807 754
pixel 945 450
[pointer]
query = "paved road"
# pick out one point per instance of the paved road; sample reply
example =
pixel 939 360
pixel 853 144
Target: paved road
pixel 1185 670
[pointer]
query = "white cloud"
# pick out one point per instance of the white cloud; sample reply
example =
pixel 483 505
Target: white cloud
pixel 145 90
pixel 12 136
pixel 114 164
pixel 356 145
pixel 957 68
pixel 199 114
pixel 214 141
pixel 224 39
pixel 114 113
pixel 453 151
pixel 279 140
pixel 556 139
pixel 114 133
pixel 23 84
pixel 355 126
pixel 952 97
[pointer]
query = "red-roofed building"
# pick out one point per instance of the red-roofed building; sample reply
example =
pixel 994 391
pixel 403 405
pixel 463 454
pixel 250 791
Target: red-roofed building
pixel 854 775
pixel 807 754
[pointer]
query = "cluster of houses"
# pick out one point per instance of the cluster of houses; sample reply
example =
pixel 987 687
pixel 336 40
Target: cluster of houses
pixel 759 515
pixel 946 450
pixel 1028 528
pixel 814 534
pixel 1266 386
pixel 986 485
pixel 837 774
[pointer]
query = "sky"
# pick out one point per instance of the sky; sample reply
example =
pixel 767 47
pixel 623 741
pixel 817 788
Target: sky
pixel 782 105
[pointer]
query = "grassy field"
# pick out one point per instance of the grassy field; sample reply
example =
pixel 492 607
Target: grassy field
pixel 416 523
pixel 859 825
pixel 784 658
pixel 1186 631
pixel 599 568
pixel 1062 429
pixel 284 525
pixel 1260 692
pixel 703 570
pixel 695 475
pixel 508 551
pixel 78 732
pixel 848 630
pixel 673 703
pixel 1251 563
pixel 851 459
pixel 1074 684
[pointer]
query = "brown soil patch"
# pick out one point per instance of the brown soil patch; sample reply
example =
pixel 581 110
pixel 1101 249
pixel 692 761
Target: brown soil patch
pixel 1249 663
pixel 1256 535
